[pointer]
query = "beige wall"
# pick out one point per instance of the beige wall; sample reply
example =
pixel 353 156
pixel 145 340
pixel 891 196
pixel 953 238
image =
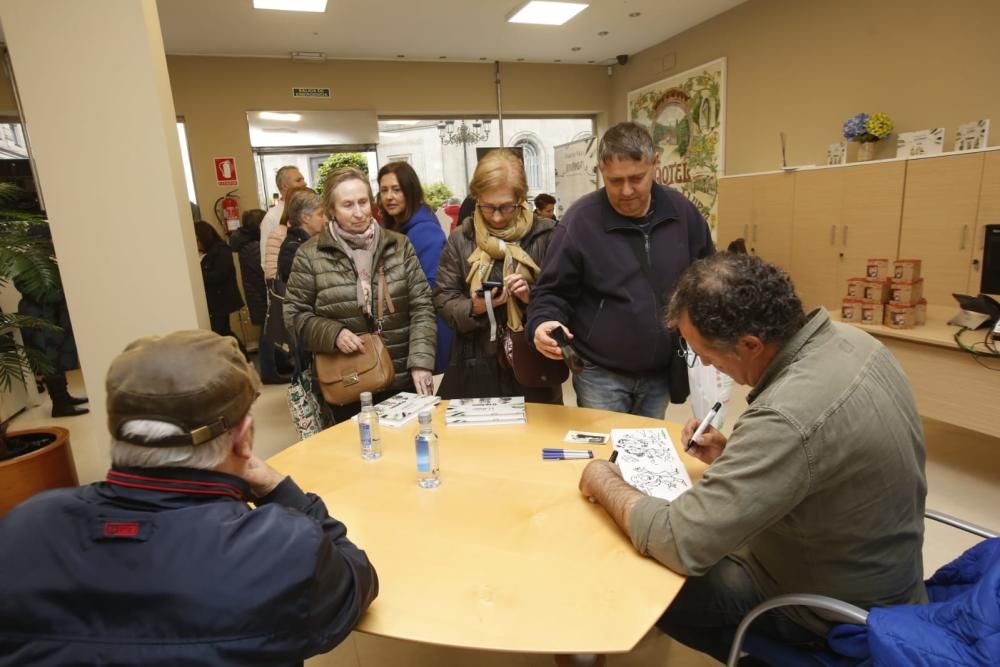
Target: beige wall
pixel 805 66
pixel 214 94
pixel 129 265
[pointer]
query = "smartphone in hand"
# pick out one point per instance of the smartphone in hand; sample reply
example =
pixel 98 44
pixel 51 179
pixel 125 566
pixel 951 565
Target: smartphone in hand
pixel 489 285
pixel 572 359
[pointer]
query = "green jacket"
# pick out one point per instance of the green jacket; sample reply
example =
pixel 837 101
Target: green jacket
pixel 821 486
pixel 321 299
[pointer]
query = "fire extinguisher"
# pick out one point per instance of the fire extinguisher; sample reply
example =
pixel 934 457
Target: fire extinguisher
pixel 227 210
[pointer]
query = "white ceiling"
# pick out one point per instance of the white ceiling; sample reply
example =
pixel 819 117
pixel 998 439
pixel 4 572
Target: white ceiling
pixel 458 30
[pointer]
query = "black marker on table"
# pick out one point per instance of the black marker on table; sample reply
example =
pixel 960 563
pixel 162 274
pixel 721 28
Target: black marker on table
pixel 614 456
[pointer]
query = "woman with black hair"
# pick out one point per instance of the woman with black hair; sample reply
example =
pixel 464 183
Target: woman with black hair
pixel 219 274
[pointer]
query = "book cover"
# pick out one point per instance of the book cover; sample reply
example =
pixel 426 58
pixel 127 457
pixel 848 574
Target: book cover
pixel 649 462
pixel 486 411
pixel 921 142
pixel 837 153
pixel 972 136
pixel 402 408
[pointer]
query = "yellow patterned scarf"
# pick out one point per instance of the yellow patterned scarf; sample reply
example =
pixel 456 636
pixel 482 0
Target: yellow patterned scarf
pixel 502 244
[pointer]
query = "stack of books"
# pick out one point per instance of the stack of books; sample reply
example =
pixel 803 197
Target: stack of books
pixel 402 408
pixel 485 411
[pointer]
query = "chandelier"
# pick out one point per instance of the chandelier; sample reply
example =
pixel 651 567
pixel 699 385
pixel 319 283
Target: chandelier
pixel 462 134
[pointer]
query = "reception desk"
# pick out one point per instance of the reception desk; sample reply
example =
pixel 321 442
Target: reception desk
pixel 950 385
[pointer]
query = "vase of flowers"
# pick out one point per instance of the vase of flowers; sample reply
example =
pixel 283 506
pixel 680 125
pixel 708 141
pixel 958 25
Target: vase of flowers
pixel 866 130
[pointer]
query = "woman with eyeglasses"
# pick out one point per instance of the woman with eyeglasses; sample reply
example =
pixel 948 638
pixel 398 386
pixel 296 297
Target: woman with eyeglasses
pixel 503 242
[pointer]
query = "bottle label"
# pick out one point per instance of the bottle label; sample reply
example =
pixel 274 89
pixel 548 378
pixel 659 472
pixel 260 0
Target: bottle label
pixel 423 454
pixel 366 436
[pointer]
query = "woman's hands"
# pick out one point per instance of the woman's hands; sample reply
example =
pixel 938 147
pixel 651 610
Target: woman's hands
pixel 423 380
pixel 479 301
pixel 348 342
pixel 518 286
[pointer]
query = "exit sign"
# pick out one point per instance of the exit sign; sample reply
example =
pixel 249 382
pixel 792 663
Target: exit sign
pixel 310 92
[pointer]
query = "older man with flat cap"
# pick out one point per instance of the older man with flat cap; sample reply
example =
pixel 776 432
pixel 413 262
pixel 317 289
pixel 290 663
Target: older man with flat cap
pixel 164 562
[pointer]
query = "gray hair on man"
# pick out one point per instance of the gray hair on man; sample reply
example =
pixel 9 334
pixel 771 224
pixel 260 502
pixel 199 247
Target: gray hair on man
pixel 626 140
pixel 205 456
pixel 279 178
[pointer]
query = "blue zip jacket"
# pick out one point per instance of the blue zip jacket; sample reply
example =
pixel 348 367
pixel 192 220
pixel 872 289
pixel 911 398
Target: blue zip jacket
pixel 428 239
pixel 959 626
pixel 169 566
pixel 593 281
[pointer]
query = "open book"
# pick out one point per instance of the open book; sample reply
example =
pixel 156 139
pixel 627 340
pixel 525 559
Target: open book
pixel 402 408
pixel 649 461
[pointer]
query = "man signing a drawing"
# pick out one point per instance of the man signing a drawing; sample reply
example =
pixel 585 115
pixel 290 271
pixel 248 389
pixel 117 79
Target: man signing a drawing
pixel 819 489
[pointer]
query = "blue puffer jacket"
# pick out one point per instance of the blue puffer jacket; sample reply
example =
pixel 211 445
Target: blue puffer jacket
pixel 428 239
pixel 959 626
pixel 163 567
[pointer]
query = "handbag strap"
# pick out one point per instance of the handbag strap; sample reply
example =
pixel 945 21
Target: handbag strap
pixel 383 297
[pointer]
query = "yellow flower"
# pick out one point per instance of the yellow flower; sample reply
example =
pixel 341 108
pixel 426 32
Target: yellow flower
pixel 879 125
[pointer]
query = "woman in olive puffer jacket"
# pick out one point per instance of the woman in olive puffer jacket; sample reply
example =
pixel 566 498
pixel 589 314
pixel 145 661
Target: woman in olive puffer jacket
pixel 331 295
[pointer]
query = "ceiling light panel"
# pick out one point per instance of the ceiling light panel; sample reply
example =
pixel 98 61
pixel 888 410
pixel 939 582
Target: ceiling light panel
pixel 546 13
pixel 318 6
pixel 287 117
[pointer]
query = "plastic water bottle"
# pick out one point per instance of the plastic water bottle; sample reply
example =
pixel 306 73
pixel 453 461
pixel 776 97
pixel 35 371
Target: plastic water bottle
pixel 427 452
pixel 371 436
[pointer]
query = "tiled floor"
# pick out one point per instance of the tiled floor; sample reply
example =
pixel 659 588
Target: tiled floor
pixel 963 471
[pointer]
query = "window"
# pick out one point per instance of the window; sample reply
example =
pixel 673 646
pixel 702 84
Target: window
pixel 532 168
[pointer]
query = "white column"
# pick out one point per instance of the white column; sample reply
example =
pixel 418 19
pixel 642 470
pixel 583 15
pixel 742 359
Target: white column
pixel 92 78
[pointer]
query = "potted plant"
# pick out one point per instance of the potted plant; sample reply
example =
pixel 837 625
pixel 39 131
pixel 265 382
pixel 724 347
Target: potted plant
pixel 37 459
pixel 866 130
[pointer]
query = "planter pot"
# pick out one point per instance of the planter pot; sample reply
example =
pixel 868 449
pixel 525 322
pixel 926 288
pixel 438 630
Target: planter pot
pixel 866 151
pixel 49 467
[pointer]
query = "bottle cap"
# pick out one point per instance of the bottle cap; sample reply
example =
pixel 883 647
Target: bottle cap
pixel 425 415
pixel 366 398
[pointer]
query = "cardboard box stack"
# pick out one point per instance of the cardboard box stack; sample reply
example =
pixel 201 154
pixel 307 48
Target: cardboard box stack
pixel 890 293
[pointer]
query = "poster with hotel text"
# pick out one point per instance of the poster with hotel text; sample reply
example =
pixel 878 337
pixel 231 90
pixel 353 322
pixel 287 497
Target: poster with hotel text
pixel 685 113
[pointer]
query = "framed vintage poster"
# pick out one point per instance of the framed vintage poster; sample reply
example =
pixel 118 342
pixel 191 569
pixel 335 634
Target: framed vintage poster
pixel 686 115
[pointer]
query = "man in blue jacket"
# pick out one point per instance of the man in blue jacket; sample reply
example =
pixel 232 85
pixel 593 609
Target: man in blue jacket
pixel 614 259
pixel 164 563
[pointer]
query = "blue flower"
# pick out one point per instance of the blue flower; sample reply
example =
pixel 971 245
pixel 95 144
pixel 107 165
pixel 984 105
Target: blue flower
pixel 854 127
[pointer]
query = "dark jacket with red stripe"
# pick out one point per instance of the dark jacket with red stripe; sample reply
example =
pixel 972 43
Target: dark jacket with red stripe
pixel 172 567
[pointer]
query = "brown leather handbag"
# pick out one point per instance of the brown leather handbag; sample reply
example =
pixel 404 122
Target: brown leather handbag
pixel 531 368
pixel 342 377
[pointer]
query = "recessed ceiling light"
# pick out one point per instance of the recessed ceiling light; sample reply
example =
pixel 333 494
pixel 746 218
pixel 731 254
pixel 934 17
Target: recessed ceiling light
pixel 400 55
pixel 272 115
pixel 591 62
pixel 546 13
pixel 557 61
pixel 318 6
pixel 575 48
pixel 634 15
pixel 603 33
pixel 520 60
pixel 442 57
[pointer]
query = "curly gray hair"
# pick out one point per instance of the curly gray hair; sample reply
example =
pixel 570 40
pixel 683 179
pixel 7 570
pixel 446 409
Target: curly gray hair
pixel 728 296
